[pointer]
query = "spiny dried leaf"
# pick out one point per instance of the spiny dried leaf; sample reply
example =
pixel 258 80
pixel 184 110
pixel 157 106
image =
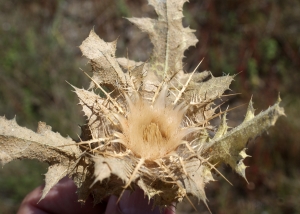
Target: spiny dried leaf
pixel 169 37
pixel 212 88
pixel 102 55
pixel 54 174
pixel 229 148
pixel 94 108
pixel 198 176
pixel 222 129
pixel 20 143
pixel 105 166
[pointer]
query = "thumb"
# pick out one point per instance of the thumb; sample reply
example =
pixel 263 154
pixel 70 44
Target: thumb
pixel 134 203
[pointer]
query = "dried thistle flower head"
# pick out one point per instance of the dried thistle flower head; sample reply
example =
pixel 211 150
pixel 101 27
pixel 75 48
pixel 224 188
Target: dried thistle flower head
pixel 153 131
pixel 150 125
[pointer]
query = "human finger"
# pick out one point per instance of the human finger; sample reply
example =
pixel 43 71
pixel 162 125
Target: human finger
pixel 62 198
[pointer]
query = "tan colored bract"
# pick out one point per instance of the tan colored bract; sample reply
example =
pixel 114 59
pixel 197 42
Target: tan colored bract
pixel 149 127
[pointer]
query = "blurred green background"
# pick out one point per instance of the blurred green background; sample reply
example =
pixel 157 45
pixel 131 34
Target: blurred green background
pixel 259 39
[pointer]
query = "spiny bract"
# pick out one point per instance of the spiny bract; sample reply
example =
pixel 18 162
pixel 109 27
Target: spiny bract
pixel 150 125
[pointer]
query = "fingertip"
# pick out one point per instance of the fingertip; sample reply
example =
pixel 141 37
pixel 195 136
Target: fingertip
pixel 112 206
pixel 170 209
pixel 135 203
pixel 61 198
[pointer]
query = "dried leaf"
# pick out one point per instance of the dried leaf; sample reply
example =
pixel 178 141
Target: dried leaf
pixel 20 143
pixel 229 147
pixel 169 37
pixel 105 166
pixel 102 55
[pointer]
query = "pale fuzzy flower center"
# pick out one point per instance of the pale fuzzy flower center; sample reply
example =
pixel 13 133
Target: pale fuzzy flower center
pixel 153 131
